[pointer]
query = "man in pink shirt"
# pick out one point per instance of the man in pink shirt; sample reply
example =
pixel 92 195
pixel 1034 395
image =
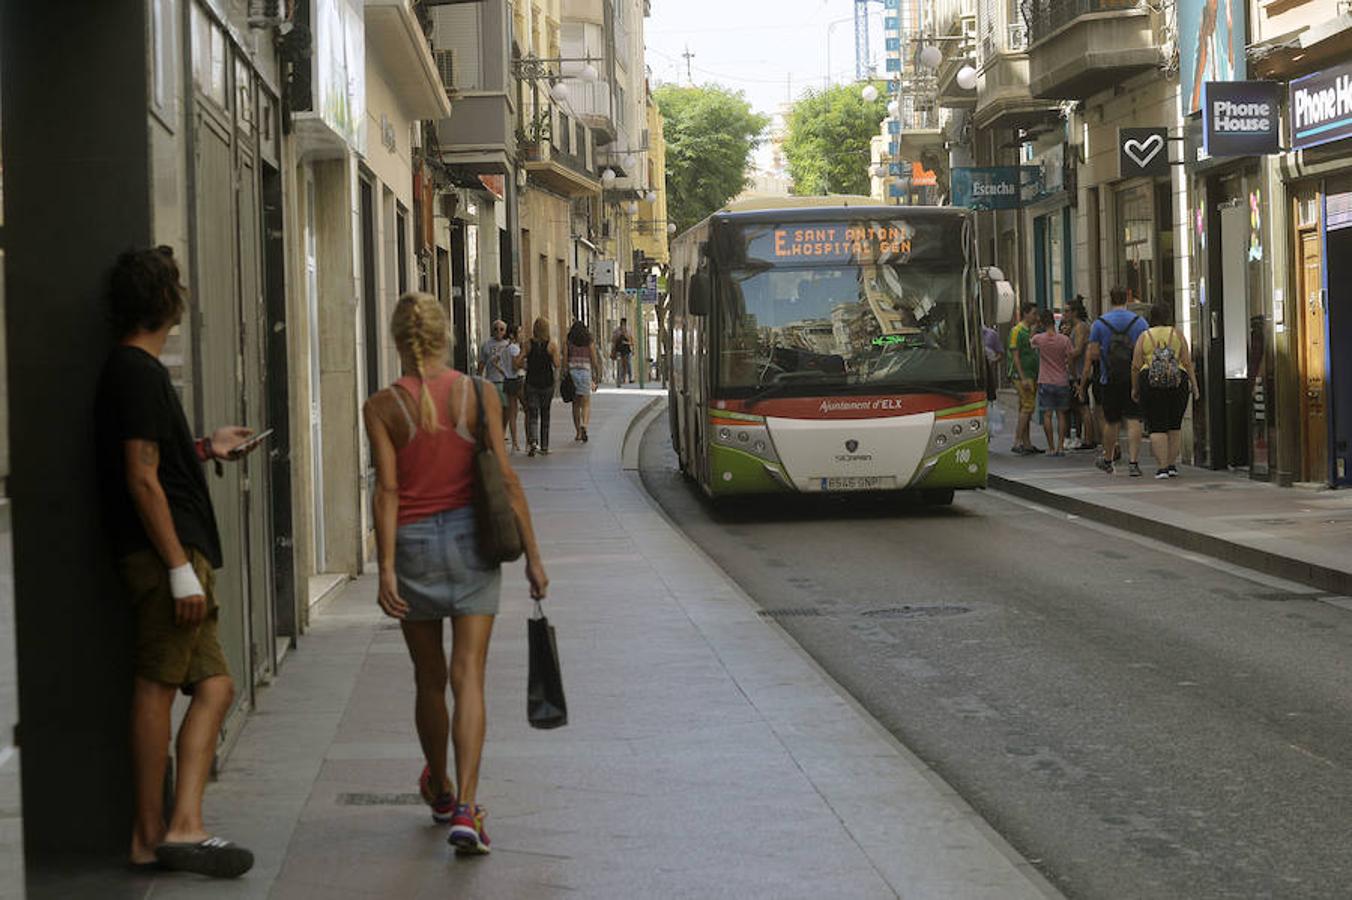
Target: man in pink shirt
pixel 1053 379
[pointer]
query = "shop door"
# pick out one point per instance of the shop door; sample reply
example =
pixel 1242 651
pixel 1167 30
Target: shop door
pixel 221 375
pixel 1313 409
pixel 255 469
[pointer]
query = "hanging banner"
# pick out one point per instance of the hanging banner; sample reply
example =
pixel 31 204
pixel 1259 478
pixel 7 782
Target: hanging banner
pixel 1241 118
pixel 1211 41
pixel 1321 107
pixel 990 187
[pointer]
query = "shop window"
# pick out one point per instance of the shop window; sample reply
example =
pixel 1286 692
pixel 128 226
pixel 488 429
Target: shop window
pixel 1135 227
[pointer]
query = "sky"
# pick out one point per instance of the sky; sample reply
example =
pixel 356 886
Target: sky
pixel 770 49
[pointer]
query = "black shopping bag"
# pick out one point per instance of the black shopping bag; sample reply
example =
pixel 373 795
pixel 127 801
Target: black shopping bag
pixel 545 705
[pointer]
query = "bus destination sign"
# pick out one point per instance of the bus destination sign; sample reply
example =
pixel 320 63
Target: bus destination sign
pixel 841 242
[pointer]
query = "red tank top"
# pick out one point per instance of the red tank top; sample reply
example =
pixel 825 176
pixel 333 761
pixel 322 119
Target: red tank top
pixel 435 469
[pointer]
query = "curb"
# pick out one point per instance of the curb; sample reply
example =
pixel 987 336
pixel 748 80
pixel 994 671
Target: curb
pixel 633 432
pixel 1334 581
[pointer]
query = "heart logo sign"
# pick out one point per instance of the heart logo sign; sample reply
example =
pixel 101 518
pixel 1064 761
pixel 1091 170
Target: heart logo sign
pixel 1142 152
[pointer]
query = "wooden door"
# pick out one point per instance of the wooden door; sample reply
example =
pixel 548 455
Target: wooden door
pixel 1313 406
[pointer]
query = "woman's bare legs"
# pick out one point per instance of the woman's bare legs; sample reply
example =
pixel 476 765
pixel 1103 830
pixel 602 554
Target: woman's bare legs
pixel 1175 446
pixel 513 407
pixel 429 711
pixel 469 655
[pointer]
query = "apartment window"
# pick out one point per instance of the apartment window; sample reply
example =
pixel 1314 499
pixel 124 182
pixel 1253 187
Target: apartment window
pixel 208 56
pixel 565 133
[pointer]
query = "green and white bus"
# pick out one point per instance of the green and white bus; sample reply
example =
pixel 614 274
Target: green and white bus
pixel 828 344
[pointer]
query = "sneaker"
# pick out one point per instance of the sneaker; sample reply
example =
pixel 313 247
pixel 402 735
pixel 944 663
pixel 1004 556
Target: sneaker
pixel 1019 450
pixel 531 451
pixel 1173 471
pixel 1104 465
pixel 1134 470
pixel 468 834
pixel 1161 474
pixel 544 451
pixel 1073 443
pixel 1031 449
pixel 443 805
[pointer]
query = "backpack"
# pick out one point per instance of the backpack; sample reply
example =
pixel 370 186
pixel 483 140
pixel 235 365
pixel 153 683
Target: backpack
pixel 539 367
pixel 1165 370
pixel 1120 350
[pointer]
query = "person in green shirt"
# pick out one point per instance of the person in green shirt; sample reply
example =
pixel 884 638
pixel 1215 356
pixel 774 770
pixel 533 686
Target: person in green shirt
pixel 1023 366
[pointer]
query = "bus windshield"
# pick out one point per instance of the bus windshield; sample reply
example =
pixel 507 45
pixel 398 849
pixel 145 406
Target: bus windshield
pixel 852 322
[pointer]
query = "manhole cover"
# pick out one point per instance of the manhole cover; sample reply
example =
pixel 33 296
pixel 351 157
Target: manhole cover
pixel 914 612
pixel 360 799
pixel 788 612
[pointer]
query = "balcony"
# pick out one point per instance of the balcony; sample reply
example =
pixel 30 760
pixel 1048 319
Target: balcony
pixel 1003 97
pixel 1077 48
pixel 395 37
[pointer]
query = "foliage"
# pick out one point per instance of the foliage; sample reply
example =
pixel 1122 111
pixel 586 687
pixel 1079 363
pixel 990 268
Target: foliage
pixel 828 142
pixel 710 133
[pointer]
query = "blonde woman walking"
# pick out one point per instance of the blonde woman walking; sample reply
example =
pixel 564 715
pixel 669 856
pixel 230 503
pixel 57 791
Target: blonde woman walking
pixel 584 367
pixel 1165 378
pixel 422 438
pixel 541 362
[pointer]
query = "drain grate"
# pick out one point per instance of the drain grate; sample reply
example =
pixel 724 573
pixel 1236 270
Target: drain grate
pixel 789 612
pixel 370 799
pixel 914 612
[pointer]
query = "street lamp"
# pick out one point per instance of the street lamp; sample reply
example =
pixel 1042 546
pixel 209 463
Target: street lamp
pixel 869 93
pixel 608 176
pixel 559 91
pixel 931 56
pixel 651 197
pixel 966 78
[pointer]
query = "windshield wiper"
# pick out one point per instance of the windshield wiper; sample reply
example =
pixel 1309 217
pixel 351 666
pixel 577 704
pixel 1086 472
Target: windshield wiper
pixel 785 379
pixel 931 387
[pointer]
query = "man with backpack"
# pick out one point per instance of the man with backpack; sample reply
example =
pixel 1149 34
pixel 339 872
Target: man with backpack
pixel 1112 344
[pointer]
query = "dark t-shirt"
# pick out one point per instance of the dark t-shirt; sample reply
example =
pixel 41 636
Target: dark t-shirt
pixel 136 400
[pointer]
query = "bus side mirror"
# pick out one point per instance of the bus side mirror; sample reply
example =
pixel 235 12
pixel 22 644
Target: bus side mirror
pixel 700 290
pixel 1004 301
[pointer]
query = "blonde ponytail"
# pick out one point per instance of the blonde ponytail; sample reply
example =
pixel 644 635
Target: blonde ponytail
pixel 419 331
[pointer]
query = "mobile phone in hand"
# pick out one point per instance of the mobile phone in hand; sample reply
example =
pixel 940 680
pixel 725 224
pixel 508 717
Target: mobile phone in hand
pixel 248 445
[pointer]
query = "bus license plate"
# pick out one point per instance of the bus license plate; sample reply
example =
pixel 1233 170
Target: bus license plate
pixel 858 483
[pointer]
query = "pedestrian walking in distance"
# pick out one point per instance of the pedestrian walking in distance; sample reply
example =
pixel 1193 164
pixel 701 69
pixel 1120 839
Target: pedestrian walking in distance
pixel 622 351
pixel 511 386
pixel 497 362
pixel 584 367
pixel 542 367
pixel 1081 412
pixel 1023 361
pixel 1112 344
pixel 1053 381
pixel 163 531
pixel 422 433
pixel 1165 379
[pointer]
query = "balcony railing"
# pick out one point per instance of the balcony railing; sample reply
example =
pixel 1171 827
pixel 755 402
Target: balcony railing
pixel 1044 17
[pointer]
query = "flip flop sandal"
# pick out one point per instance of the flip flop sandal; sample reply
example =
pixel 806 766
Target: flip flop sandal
pixel 214 857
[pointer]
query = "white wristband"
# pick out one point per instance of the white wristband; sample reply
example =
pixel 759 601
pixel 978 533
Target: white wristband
pixel 183 582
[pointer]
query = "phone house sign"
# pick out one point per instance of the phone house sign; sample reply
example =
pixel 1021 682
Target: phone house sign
pixel 1321 107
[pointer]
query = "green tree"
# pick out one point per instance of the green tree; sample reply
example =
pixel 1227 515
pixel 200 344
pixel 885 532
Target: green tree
pixel 710 133
pixel 827 145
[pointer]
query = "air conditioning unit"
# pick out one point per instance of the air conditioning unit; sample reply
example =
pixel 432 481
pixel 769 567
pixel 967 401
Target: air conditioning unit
pixel 604 273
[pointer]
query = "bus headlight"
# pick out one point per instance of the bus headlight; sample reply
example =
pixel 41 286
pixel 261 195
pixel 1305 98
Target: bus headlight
pixel 956 429
pixel 940 440
pixel 752 438
pixel 975 425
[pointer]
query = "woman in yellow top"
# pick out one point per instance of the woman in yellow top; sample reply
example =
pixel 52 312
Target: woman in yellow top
pixel 1164 379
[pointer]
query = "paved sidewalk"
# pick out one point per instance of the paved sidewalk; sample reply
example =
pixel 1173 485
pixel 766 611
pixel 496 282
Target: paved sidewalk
pixel 1293 533
pixel 706 755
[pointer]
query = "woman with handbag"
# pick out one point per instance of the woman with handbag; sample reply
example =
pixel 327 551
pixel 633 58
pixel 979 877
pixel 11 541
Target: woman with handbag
pixel 584 367
pixel 433 440
pixel 541 362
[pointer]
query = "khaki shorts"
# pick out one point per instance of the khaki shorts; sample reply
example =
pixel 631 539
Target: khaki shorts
pixel 180 655
pixel 1027 394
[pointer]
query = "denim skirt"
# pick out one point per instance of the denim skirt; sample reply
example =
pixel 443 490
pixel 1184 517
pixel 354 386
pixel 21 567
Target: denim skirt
pixel 582 380
pixel 440 571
